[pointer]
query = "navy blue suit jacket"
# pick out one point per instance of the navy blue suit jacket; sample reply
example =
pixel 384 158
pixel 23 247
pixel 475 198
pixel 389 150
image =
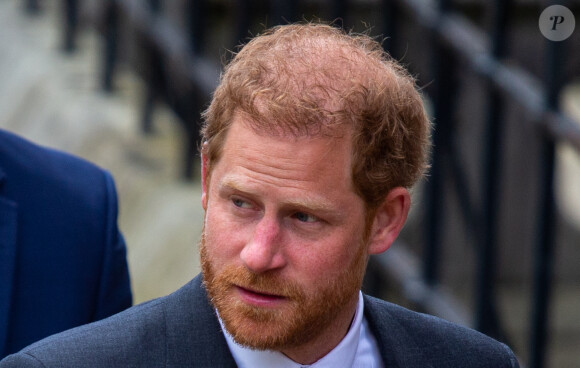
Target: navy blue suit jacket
pixel 62 258
pixel 182 330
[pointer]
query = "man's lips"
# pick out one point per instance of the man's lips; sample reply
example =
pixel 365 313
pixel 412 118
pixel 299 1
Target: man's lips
pixel 258 298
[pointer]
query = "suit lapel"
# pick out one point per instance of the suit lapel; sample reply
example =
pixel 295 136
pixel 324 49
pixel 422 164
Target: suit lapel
pixel 397 347
pixel 8 218
pixel 194 336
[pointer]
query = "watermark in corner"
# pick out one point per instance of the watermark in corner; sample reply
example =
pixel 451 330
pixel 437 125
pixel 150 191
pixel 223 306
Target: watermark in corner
pixel 557 23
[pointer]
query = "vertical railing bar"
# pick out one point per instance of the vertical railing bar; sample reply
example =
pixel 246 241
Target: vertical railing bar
pixel 434 214
pixel 111 21
pixel 338 13
pixel 196 19
pixel 390 26
pixel 445 6
pixel 148 108
pixel 32 7
pixel 155 5
pixel 460 181
pixel 243 21
pixel 486 314
pixel 435 190
pixel 153 59
pixel 283 11
pixel 543 261
pixel 544 251
pixel 71 14
pixel 196 13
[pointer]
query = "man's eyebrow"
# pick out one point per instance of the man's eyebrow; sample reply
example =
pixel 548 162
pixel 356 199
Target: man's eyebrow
pixel 306 202
pixel 311 204
pixel 232 183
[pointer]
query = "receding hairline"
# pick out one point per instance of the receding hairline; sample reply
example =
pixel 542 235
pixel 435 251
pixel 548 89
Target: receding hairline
pixel 322 51
pixel 361 86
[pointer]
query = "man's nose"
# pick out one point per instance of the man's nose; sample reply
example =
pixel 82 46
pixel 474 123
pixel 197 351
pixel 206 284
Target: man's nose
pixel 263 252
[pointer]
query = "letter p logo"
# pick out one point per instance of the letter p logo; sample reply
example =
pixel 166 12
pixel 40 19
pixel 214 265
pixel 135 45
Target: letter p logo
pixel 558 19
pixel 557 23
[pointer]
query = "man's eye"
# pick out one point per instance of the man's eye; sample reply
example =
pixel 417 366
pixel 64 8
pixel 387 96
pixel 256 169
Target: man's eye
pixel 304 217
pixel 241 203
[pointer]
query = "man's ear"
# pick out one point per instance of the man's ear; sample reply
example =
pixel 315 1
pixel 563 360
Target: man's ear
pixel 204 180
pixel 389 220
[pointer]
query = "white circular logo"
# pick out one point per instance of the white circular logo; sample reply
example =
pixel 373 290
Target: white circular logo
pixel 557 23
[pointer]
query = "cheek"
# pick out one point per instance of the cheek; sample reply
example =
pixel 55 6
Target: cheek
pixel 325 261
pixel 224 241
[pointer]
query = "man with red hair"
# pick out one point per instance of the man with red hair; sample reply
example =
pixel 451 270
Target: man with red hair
pixel 311 143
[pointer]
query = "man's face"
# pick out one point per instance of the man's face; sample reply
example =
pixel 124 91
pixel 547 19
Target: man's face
pixel 282 252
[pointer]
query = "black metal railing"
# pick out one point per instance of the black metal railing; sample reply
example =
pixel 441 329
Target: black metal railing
pixel 180 69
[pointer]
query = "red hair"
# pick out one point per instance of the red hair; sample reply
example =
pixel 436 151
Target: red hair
pixel 310 79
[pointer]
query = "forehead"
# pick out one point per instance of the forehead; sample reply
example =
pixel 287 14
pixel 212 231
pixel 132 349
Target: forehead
pixel 303 162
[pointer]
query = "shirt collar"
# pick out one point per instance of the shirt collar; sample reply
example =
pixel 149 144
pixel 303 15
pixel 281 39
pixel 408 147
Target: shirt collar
pixel 343 355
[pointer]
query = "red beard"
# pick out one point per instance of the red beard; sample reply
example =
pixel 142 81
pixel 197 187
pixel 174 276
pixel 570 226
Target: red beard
pixel 301 317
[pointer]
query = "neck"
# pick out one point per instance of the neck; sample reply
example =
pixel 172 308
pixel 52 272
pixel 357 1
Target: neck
pixel 312 351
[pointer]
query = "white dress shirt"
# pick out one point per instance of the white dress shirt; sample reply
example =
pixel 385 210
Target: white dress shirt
pixel 357 349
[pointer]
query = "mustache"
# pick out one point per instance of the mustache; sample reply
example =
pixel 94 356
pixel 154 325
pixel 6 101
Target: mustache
pixel 263 283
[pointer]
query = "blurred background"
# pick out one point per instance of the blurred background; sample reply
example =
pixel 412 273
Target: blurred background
pixel 493 240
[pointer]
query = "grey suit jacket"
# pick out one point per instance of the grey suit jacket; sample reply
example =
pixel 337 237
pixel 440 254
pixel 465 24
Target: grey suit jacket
pixel 181 330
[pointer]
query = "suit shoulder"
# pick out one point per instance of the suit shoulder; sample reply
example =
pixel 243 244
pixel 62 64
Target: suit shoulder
pixel 28 171
pixel 22 157
pixel 436 339
pixel 130 338
pixel 150 334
